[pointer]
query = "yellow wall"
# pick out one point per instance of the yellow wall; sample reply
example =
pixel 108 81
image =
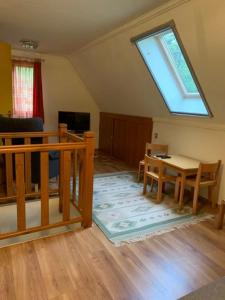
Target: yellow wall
pixel 5 78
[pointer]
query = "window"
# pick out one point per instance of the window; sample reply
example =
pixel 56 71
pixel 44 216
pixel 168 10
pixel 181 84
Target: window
pixel 27 89
pixel 23 77
pixel 171 70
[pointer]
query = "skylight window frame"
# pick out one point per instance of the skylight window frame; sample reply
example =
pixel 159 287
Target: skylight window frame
pixel 173 67
pixel 159 30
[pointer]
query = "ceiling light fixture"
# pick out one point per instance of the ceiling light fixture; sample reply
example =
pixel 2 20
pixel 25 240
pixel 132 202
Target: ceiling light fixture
pixel 29 44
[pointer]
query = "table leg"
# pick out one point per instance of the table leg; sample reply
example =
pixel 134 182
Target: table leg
pixel 182 184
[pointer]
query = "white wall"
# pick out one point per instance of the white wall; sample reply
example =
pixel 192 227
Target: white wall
pixel 115 74
pixel 63 90
pixel 119 82
pixel 205 143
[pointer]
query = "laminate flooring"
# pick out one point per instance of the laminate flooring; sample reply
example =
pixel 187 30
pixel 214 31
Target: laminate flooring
pixel 85 265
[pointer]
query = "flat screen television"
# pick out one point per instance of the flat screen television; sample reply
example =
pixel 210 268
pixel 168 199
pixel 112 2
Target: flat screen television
pixel 76 121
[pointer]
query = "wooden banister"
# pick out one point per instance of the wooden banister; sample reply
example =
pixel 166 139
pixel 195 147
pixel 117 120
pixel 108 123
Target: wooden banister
pixel 42 147
pixel 74 137
pixel 66 165
pixel 62 139
pixel 27 141
pixel 19 135
pixel 44 189
pixel 74 153
pixel 89 138
pixel 20 192
pixel 62 133
pixel 9 169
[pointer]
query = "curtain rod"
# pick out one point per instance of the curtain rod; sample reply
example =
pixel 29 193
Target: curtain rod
pixel 31 59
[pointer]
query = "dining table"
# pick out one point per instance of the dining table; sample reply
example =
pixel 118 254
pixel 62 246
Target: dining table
pixel 184 166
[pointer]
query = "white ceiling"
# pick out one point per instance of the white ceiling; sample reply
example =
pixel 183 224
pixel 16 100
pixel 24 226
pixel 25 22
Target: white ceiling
pixel 62 26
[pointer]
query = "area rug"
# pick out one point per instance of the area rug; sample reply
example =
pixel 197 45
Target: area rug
pixel 125 215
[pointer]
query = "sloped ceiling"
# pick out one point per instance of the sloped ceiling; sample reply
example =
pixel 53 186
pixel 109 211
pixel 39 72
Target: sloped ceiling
pixel 117 77
pixel 61 26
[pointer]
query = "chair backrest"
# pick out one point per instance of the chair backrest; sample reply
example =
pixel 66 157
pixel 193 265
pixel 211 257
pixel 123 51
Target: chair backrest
pixel 156 149
pixel 209 171
pixel 154 165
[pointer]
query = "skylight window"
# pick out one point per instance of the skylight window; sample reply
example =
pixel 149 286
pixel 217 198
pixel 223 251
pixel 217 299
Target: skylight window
pixel 171 70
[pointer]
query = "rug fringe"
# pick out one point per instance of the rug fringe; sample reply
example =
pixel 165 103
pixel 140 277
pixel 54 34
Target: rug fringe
pixel 143 237
pixel 115 173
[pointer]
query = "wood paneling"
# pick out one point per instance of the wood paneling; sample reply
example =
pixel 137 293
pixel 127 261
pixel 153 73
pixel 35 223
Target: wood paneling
pixel 124 137
pixel 106 133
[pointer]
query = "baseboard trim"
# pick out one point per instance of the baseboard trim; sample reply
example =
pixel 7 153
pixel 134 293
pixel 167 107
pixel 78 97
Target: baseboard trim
pixel 186 123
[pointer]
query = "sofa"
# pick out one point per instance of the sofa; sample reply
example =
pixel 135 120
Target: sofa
pixel 31 125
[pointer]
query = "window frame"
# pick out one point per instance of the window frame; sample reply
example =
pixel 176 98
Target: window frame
pixel 159 29
pixel 172 66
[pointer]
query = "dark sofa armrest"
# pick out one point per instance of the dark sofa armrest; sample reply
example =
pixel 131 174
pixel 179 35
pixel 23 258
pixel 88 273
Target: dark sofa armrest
pixel 53 155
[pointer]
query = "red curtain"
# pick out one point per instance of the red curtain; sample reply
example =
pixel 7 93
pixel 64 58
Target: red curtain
pixel 38 107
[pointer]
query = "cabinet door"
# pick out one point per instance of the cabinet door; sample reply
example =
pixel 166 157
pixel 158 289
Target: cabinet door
pixel 119 147
pixel 138 133
pixel 130 135
pixel 106 133
pixel 124 137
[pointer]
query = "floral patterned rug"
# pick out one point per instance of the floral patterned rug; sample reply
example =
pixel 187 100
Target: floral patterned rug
pixel 125 215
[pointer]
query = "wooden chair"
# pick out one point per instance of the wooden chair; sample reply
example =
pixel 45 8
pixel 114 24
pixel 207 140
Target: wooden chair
pixel 207 176
pixel 220 217
pixel 151 149
pixel 155 169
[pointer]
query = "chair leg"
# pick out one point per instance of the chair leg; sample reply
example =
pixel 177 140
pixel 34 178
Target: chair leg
pixel 192 192
pixel 195 200
pixel 159 191
pixel 210 196
pixel 219 223
pixel 139 172
pixel 177 190
pixel 152 184
pixel 145 184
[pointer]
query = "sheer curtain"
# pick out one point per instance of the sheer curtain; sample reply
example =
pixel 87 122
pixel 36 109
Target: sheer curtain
pixel 23 78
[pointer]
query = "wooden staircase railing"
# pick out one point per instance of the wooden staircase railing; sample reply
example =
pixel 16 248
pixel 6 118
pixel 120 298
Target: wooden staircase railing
pixel 75 161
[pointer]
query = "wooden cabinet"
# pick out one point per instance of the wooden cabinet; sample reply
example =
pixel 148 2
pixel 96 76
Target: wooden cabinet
pixel 124 137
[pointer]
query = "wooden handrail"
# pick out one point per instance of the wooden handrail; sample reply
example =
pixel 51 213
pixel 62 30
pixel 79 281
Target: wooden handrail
pixel 42 147
pixel 75 137
pixel 33 134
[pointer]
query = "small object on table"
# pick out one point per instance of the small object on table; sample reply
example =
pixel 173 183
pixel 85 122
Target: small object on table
pixel 151 149
pixel 163 156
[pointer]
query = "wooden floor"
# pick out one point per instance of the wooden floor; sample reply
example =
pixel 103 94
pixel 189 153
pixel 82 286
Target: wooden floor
pixel 85 265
